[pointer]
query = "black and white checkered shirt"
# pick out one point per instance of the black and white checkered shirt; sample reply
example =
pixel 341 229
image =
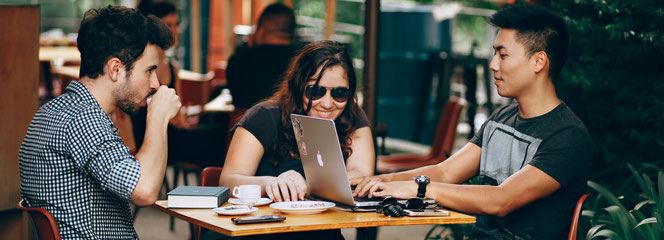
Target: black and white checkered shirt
pixel 73 164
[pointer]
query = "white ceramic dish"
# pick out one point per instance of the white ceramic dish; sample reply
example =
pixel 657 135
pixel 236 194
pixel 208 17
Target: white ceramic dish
pixel 302 207
pixel 260 202
pixel 234 210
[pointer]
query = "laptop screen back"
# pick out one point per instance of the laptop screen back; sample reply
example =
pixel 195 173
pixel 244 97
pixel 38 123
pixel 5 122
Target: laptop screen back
pixel 322 158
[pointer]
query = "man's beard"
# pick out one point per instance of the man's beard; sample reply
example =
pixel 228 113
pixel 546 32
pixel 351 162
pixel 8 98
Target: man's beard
pixel 124 97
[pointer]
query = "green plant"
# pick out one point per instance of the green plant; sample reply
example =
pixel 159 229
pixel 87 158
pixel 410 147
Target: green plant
pixel 613 80
pixel 615 221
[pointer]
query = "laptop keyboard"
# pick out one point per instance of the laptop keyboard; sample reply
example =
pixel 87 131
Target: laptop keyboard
pixel 366 199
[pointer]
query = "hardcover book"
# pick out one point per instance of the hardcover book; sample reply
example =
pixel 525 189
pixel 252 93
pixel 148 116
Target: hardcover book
pixel 197 197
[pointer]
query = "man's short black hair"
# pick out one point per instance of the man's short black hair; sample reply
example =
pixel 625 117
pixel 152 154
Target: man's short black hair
pixel 159 9
pixel 538 29
pixel 116 31
pixel 277 17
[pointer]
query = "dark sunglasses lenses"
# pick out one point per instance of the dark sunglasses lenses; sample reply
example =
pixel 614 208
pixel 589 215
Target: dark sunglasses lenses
pixel 388 200
pixel 339 94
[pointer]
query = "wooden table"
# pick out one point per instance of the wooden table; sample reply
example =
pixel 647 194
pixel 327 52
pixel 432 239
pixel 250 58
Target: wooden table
pixel 71 54
pixel 330 219
pixel 70 72
pixel 64 54
pixel 219 104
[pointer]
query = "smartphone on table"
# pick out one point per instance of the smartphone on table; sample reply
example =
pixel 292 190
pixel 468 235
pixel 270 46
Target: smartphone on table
pixel 258 219
pixel 426 213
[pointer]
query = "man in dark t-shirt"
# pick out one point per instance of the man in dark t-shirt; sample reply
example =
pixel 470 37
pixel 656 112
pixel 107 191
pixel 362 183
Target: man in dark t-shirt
pixel 532 157
pixel 253 73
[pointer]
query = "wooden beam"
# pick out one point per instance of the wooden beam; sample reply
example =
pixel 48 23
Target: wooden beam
pixel 195 35
pixel 229 35
pixel 331 18
pixel 19 75
pixel 246 12
pixel 370 86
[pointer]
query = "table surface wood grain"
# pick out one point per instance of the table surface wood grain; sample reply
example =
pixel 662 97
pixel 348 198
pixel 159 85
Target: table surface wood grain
pixel 331 219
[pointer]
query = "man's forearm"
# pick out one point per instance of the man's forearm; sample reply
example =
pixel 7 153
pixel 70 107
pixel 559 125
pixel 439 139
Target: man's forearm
pixel 474 199
pixel 432 171
pixel 152 157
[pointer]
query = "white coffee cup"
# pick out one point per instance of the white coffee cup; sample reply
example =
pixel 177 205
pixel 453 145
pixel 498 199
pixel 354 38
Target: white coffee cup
pixel 247 193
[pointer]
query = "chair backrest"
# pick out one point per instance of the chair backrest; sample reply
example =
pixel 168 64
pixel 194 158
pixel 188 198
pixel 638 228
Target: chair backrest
pixel 443 141
pixel 575 220
pixel 194 90
pixel 209 177
pixel 43 220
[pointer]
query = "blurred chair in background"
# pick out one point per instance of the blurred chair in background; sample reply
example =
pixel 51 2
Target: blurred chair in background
pixel 209 177
pixel 441 147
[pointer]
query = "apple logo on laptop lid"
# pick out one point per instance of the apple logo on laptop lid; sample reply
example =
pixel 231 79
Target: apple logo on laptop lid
pixel 320 159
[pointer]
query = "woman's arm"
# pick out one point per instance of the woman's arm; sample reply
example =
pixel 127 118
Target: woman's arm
pixel 244 154
pixel 361 162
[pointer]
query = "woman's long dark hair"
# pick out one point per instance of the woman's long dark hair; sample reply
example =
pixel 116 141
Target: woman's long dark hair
pixel 289 96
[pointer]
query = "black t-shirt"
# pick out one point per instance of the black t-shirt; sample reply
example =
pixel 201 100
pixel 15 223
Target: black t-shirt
pixel 254 73
pixel 264 121
pixel 557 143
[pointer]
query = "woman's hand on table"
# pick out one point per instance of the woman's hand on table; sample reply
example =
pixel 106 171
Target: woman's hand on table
pixel 288 186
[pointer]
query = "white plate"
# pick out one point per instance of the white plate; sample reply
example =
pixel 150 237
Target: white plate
pixel 260 202
pixel 302 207
pixel 234 210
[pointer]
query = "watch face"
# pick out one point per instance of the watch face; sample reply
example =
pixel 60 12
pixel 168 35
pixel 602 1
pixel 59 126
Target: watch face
pixel 422 179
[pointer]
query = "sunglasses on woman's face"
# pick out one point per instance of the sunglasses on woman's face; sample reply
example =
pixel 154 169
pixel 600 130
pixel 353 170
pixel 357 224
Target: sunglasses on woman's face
pixel 339 94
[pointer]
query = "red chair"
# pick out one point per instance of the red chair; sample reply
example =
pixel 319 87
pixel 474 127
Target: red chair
pixel 209 177
pixel 43 220
pixel 577 214
pixel 441 147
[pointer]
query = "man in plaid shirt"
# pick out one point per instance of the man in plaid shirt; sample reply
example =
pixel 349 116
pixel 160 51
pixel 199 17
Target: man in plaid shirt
pixel 72 162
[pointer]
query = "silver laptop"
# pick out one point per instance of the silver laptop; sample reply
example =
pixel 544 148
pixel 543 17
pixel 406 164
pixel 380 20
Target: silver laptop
pixel 323 161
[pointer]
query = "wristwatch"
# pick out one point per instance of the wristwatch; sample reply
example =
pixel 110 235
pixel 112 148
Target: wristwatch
pixel 422 182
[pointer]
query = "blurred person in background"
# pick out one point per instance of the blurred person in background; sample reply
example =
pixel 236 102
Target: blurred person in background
pixel 254 73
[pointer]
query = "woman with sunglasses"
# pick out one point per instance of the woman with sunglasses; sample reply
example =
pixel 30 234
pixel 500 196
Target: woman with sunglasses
pixel 320 82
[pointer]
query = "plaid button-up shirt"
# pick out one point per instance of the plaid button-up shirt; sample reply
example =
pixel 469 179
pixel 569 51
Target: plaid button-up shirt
pixel 73 164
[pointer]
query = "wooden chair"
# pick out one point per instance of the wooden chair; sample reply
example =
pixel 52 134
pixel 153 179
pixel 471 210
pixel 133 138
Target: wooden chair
pixel 441 147
pixel 209 177
pixel 575 220
pixel 44 222
pixel 194 92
